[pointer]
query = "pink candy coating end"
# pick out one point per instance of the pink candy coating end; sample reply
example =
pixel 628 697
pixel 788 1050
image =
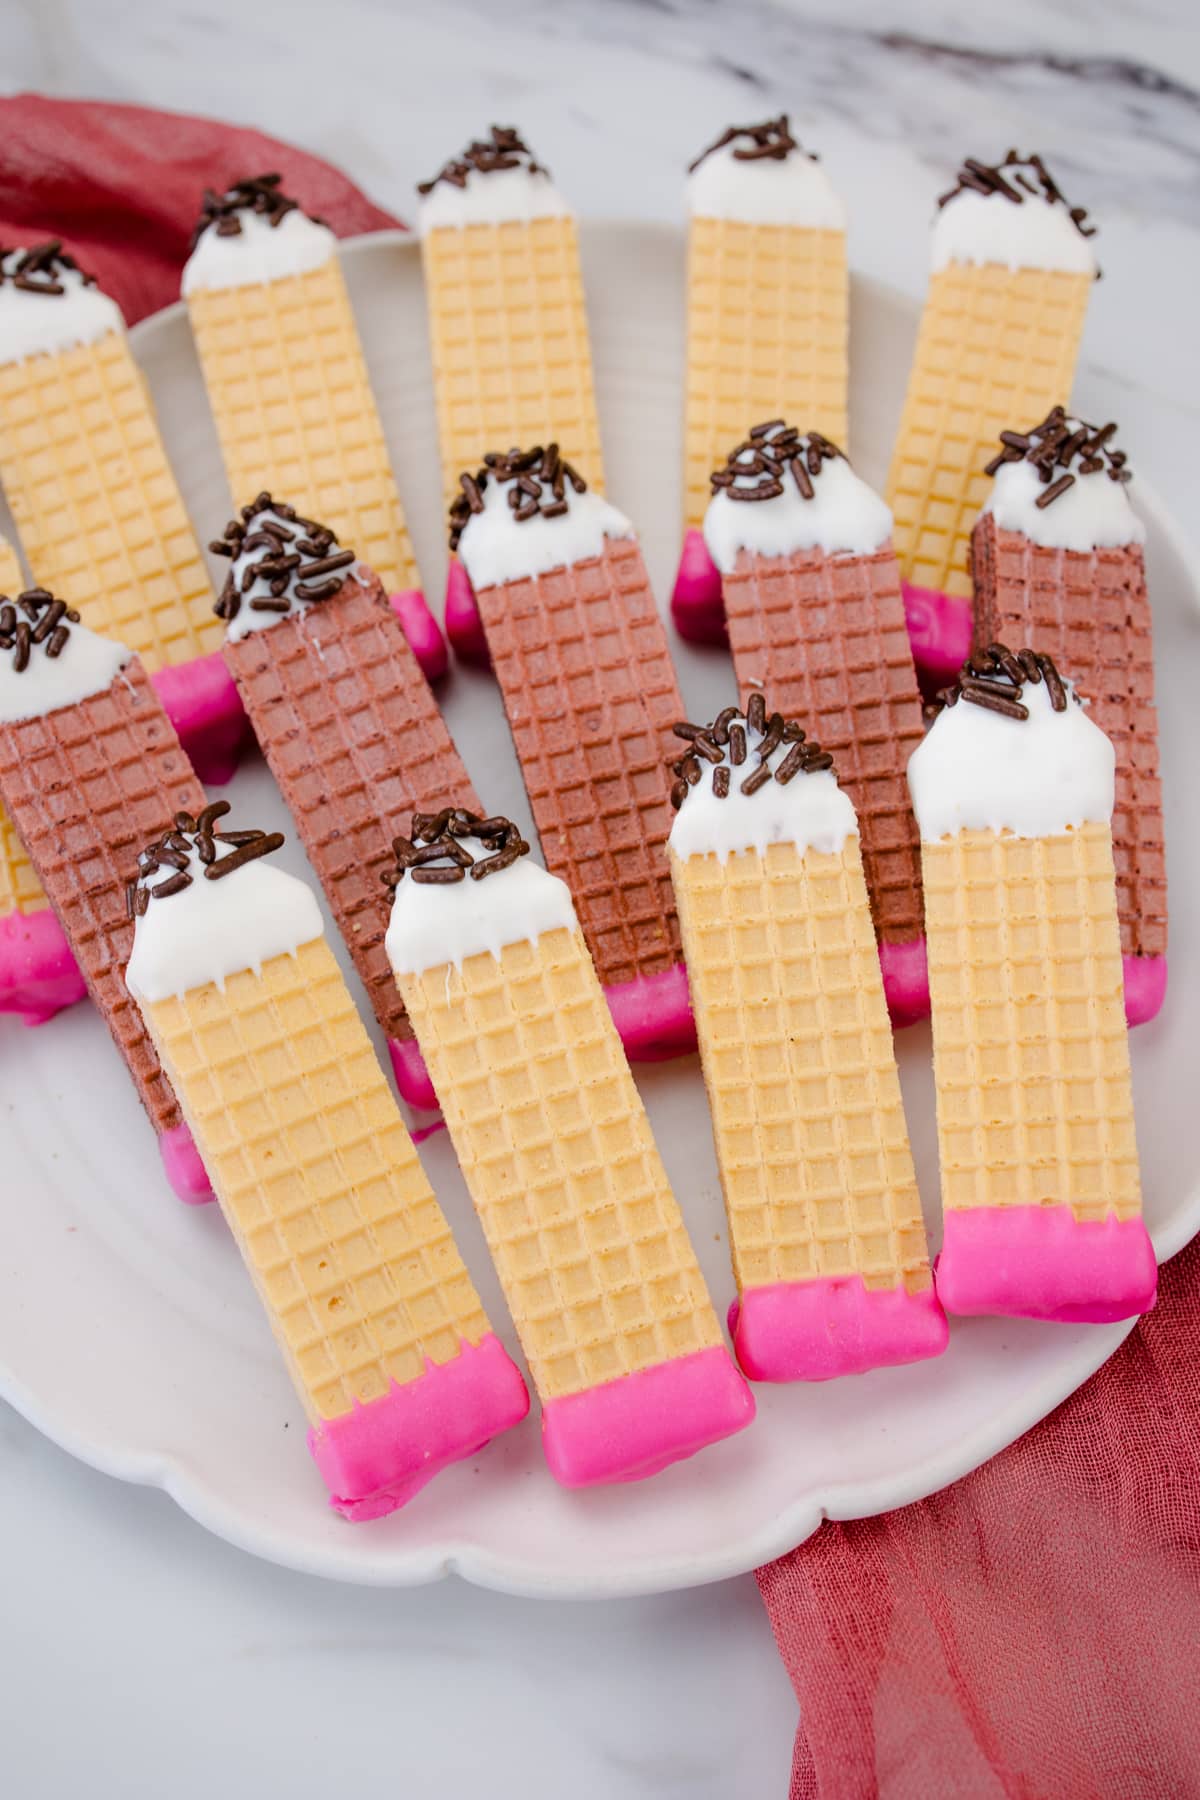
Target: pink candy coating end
pixel 905 980
pixel 376 1457
pixel 627 1429
pixel 939 630
pixel 464 627
pixel 185 1172
pixel 412 1077
pixel 697 603
pixel 423 632
pixel 202 702
pixel 653 1015
pixel 1035 1262
pixel 833 1325
pixel 1145 988
pixel 38 974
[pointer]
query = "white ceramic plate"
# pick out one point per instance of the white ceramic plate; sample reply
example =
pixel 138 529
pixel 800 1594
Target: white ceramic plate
pixel 128 1331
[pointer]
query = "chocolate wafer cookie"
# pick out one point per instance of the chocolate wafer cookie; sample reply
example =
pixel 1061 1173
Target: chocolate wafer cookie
pixel 347 723
pixel 90 769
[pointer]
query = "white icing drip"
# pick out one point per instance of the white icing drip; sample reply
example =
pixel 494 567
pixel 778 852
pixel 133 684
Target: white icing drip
pixel 43 324
pixel 844 516
pixel 977 770
pixel 86 665
pixel 259 252
pixel 811 811
pixel 246 619
pixel 1093 513
pixel 765 191
pixel 987 228
pixel 215 929
pixel 495 197
pixel 434 924
pixel 496 547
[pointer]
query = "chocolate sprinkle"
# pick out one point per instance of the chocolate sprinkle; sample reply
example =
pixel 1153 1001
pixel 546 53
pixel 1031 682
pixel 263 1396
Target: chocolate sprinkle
pixel 259 194
pixel 1062 449
pixel 537 482
pixel 772 140
pixel 297 559
pixel 504 149
pixel 187 836
pixel 724 744
pixel 1016 178
pixel 996 679
pixel 38 269
pixel 760 464
pixel 436 854
pixel 34 620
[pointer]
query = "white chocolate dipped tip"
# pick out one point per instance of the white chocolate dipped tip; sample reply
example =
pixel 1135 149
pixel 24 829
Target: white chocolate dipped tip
pixel 496 181
pixel 436 924
pixel 213 929
pixel 842 516
pixel 39 322
pixel 1067 489
pixel 85 664
pixel 261 251
pixel 810 811
pixel 978 770
pixel 787 187
pixel 1014 215
pixel 260 591
pixel 495 546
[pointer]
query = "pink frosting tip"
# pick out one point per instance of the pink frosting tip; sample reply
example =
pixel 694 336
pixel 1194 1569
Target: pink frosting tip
pixel 202 702
pixel 627 1429
pixel 376 1457
pixel 905 980
pixel 412 1077
pixel 653 1015
pixel 1145 988
pixel 833 1325
pixel 697 603
pixel 939 630
pixel 1036 1262
pixel 38 974
pixel 423 632
pixel 464 627
pixel 185 1172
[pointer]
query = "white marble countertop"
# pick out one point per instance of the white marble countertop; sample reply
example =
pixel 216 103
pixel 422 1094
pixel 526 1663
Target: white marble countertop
pixel 144 1657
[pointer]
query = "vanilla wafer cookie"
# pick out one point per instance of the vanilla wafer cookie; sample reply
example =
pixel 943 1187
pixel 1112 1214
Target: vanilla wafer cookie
pixel 89 768
pixel 767 321
pixel 616 1324
pixel 816 620
pixel 998 341
pixel 347 723
pixel 96 506
pixel 581 656
pixel 1041 1193
pixel 829 1248
pixel 38 974
pixel 288 382
pixel 1057 559
pixel 376 1317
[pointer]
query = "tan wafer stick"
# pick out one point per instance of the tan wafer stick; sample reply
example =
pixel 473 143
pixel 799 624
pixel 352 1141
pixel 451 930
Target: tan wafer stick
pixel 1013 790
pixel 825 1225
pixel 611 1308
pixel 376 1317
pixel 998 340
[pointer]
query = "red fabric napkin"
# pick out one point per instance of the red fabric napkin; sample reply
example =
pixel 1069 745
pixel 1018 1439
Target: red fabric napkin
pixel 1032 1631
pixel 121 185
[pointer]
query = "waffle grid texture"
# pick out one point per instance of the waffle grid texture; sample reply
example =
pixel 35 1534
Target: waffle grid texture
pixel 512 361
pixel 556 1150
pixel 591 697
pixel 996 349
pixel 20 889
pixel 355 740
pixel 1090 612
pixel 767 330
pixel 88 787
pixel 800 1068
pixel 824 637
pixel 96 505
pixel 1031 1051
pixel 350 1252
pixel 296 415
